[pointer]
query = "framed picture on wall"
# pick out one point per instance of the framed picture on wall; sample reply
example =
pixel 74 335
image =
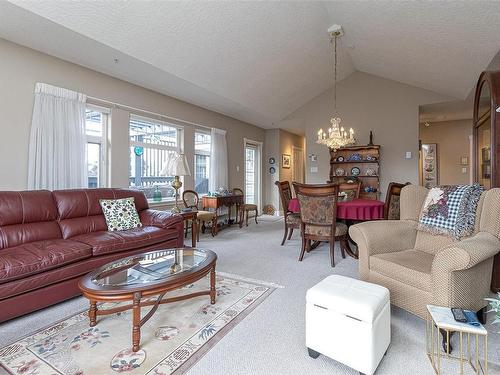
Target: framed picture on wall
pixel 429 165
pixel 286 161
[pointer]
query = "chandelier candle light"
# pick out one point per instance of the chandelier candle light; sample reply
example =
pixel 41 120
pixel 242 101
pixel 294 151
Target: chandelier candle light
pixel 336 136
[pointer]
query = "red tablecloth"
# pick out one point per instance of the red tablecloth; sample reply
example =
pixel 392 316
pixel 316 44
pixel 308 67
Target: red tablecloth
pixel 357 209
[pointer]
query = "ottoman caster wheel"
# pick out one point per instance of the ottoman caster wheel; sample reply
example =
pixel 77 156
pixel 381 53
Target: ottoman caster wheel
pixel 312 353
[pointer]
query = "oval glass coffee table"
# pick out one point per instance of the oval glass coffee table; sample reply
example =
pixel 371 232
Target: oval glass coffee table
pixel 151 274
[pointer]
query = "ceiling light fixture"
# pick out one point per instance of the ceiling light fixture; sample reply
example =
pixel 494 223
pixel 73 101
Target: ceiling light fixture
pixel 337 136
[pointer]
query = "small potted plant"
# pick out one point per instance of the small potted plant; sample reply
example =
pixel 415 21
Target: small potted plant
pixel 495 307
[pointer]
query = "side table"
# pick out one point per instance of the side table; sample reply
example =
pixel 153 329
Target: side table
pixel 441 320
pixel 193 216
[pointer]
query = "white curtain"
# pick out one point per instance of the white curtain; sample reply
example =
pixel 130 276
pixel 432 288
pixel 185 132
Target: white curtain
pixel 57 150
pixel 218 160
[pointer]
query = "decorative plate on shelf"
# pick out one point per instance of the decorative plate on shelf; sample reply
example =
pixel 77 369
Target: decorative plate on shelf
pixel 340 158
pixel 272 160
pixel 355 157
pixel 370 172
pixel 272 170
pixel 355 171
pixel 370 158
pixel 339 172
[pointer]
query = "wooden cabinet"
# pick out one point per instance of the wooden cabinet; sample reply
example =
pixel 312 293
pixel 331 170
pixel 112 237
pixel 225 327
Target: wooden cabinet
pixel 347 161
pixel 486 143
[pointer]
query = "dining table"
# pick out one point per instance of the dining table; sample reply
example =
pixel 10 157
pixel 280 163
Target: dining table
pixel 352 211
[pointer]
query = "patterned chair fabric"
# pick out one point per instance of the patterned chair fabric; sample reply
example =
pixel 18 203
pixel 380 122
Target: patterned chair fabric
pixel 420 268
pixel 394 208
pixel 316 210
pixel 320 230
pixel 293 219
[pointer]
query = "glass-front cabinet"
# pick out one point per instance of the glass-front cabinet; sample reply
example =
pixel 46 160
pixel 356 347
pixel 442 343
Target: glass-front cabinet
pixel 487 142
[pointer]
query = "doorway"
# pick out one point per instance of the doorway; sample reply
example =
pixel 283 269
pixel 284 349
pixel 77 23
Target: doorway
pixel 297 164
pixel 253 172
pixel 445 134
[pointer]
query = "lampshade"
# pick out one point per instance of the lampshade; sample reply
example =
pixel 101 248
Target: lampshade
pixel 176 165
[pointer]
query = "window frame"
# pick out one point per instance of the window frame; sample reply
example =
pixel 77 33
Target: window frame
pixel 102 141
pixel 177 148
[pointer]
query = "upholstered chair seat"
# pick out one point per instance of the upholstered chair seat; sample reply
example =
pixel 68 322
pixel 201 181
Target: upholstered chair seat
pixel 293 219
pixel 317 230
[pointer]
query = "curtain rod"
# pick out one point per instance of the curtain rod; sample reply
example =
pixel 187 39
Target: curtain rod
pixel 124 106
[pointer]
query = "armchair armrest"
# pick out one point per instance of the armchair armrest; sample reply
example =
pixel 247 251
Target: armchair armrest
pixel 161 219
pixel 466 254
pixel 384 236
pixel 461 275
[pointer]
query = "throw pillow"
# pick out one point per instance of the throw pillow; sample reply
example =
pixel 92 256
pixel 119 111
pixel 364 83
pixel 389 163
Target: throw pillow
pixel 120 214
pixel 450 210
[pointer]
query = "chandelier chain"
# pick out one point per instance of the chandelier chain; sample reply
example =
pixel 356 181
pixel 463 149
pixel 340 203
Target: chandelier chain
pixel 335 73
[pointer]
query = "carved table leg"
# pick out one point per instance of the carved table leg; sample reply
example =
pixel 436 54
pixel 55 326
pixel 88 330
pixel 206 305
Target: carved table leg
pixel 136 328
pixel 212 286
pixel 93 313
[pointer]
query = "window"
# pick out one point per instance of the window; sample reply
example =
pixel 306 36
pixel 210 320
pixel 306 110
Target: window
pixel 201 162
pixel 96 120
pixel 253 151
pixel 151 143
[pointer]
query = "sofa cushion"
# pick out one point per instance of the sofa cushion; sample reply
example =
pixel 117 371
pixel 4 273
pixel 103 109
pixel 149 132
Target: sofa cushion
pixel 410 267
pixel 27 216
pixel 39 256
pixel 80 212
pixel 105 242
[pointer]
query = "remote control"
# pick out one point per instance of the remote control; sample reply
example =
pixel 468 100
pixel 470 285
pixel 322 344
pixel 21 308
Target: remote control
pixel 459 315
pixel 472 318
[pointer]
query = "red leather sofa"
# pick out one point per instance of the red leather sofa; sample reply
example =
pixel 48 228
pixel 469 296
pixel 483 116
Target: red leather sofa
pixel 48 240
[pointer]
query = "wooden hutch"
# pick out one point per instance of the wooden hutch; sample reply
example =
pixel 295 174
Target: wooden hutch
pixel 357 162
pixel 486 134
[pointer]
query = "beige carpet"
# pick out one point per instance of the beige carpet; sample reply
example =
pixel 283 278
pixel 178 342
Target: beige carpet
pixel 172 340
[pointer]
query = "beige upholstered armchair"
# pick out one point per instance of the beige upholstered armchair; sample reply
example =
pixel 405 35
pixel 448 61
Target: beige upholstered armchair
pixel 420 268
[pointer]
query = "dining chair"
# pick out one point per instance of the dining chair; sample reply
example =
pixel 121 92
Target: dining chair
pixel 352 189
pixel 392 206
pixel 318 215
pixel 191 200
pixel 292 220
pixel 244 209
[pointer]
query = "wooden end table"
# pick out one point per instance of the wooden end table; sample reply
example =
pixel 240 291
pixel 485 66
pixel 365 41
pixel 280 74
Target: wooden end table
pixel 150 274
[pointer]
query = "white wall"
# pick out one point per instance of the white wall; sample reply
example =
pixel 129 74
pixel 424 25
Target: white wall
pixel 21 68
pixel 366 102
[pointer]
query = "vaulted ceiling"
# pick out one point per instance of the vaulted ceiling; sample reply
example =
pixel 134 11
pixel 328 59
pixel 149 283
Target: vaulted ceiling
pixel 260 61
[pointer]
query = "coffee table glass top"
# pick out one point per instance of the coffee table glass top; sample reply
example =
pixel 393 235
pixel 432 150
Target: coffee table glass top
pixel 150 268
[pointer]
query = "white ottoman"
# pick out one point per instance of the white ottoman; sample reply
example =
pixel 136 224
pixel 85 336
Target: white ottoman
pixel 348 320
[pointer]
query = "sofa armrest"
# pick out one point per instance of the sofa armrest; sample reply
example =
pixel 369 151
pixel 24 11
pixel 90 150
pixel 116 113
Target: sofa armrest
pixel 384 236
pixel 466 254
pixel 461 272
pixel 161 219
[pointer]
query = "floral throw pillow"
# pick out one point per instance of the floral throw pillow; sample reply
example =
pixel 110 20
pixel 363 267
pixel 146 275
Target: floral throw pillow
pixel 120 214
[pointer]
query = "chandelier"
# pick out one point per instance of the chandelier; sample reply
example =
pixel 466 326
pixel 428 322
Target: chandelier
pixel 336 136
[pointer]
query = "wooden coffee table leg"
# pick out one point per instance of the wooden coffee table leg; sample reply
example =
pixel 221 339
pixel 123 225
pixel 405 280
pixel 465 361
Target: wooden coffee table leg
pixel 136 321
pixel 93 313
pixel 213 293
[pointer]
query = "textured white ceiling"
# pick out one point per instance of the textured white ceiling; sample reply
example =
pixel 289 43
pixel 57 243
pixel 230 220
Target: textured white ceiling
pixel 269 57
pixel 260 61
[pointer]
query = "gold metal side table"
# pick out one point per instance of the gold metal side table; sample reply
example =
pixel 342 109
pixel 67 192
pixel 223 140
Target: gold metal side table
pixel 441 320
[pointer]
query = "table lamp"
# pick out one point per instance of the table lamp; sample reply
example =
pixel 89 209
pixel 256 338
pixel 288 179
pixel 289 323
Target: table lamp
pixel 176 166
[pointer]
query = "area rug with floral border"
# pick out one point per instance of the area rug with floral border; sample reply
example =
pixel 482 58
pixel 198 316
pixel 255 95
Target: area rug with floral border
pixel 177 335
